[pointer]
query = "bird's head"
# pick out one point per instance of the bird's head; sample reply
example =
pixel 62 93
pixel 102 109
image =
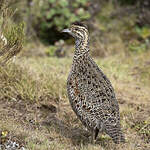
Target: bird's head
pixel 78 30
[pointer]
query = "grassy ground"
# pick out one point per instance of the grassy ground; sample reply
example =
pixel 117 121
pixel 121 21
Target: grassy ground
pixel 35 111
pixel 34 108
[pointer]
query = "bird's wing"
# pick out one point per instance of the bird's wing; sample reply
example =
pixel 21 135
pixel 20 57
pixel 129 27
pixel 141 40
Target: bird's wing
pixel 103 94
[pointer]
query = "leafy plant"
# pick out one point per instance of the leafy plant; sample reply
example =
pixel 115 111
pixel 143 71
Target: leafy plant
pixel 142 42
pixel 143 32
pixel 136 46
pixel 51 16
pixel 12 34
pixel 61 13
pixel 50 51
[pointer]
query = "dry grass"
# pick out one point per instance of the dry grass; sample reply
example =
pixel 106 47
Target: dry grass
pixel 35 111
pixel 34 108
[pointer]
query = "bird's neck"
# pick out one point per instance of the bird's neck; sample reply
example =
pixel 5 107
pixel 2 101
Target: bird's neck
pixel 81 48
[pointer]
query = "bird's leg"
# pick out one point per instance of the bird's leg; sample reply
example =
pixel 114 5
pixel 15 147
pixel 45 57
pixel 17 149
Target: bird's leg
pixel 96 131
pixel 93 137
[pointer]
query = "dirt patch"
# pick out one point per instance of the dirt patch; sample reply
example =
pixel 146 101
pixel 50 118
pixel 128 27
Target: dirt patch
pixel 58 118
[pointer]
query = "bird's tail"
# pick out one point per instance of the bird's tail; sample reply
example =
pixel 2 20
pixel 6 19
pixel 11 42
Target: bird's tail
pixel 115 133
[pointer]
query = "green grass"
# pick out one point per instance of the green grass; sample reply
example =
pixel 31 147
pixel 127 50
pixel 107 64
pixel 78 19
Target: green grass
pixel 35 108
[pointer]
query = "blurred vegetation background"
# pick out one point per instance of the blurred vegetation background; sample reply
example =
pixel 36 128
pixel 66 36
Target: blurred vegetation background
pixel 109 21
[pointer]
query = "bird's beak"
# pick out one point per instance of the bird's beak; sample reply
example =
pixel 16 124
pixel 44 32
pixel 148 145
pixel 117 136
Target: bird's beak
pixel 66 30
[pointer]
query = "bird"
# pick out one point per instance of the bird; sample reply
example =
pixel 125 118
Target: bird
pixel 90 92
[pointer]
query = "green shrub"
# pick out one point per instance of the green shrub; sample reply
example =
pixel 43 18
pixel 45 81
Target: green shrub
pixel 50 51
pixel 142 42
pixel 136 46
pixel 61 13
pixel 143 32
pixel 51 16
pixel 12 33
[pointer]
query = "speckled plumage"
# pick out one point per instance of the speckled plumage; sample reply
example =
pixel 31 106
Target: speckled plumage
pixel 90 92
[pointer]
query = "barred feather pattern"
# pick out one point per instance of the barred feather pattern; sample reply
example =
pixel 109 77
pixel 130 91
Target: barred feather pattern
pixel 90 92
